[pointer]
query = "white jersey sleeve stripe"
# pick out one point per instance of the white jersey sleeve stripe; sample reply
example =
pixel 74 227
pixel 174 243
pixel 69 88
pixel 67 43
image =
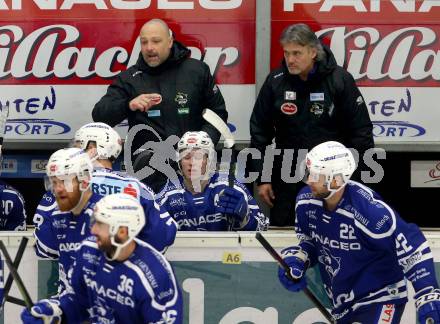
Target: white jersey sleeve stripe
pixel 47 208
pixel 45 251
pixel 164 215
pixel 384 294
pixel 415 258
pixel 169 193
pixel 309 201
pixel 149 289
pixel 90 244
pixel 345 213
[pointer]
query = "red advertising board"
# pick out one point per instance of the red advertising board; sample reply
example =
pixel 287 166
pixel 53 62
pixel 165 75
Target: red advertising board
pixel 58 56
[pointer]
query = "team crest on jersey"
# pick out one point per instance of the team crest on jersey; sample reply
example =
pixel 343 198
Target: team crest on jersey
pixel 317 109
pixel 289 108
pixel 332 264
pixel 181 99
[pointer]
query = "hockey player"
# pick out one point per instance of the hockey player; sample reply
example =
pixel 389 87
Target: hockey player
pixel 69 172
pixel 12 211
pixel 117 278
pixel 202 200
pixel 363 249
pixel 68 224
pixel 104 145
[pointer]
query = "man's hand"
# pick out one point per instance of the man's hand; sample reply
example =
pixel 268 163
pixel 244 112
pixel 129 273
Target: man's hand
pixel 297 261
pixel 45 311
pixel 428 307
pixel 232 202
pixel 145 101
pixel 266 194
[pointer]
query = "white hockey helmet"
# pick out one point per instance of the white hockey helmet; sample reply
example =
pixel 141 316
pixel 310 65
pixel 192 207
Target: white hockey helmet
pixel 333 160
pixel 69 163
pixel 108 142
pixel 120 210
pixel 197 140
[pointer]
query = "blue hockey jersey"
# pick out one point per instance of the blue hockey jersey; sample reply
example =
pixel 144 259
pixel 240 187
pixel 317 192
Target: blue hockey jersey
pixel 364 250
pixel 141 289
pixel 196 212
pixel 160 228
pixel 12 212
pixel 61 234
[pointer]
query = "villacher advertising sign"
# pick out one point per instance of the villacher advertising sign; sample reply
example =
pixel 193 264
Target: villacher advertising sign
pixel 58 57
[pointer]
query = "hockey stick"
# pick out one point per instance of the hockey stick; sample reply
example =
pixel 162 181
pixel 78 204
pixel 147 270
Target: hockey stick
pixel 10 279
pixel 23 291
pixel 4 112
pixel 215 120
pixel 286 268
pixel 229 143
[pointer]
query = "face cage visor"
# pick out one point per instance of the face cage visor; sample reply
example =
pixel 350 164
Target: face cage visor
pixel 66 181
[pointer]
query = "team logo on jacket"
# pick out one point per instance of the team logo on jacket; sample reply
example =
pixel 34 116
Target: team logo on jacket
pixel 289 95
pixel 289 108
pixel 181 99
pixel 317 109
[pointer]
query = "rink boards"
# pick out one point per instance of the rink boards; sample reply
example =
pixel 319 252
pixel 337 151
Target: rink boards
pixel 226 278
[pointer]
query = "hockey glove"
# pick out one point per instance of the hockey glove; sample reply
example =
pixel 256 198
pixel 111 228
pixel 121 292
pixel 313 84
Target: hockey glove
pixel 297 261
pixel 428 307
pixel 232 202
pixel 46 311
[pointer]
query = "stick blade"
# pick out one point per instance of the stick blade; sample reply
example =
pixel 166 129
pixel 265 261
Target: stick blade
pixel 215 120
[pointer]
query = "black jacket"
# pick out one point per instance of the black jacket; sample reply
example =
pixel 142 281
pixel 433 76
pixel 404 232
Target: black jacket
pixel 301 114
pixel 186 86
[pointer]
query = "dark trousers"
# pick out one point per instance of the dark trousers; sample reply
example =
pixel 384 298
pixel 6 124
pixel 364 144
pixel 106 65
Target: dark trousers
pixel 283 211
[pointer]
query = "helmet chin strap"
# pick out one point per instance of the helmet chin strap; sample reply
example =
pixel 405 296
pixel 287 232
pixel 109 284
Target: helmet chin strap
pixel 80 200
pixel 119 247
pixel 333 191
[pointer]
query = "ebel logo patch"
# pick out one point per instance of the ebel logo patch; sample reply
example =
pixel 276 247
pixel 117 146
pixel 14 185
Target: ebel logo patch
pixel 289 108
pixel 289 95
pixel 38 166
